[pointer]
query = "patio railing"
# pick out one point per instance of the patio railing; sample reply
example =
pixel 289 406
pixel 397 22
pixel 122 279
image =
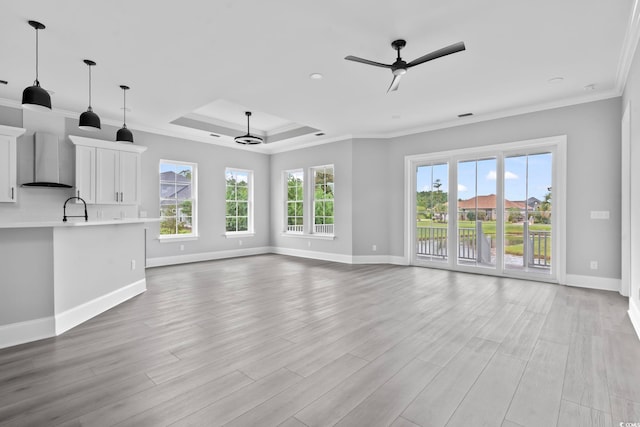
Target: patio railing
pixel 432 241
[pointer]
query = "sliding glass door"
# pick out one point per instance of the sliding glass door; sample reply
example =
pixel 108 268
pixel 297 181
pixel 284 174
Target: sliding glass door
pixel 432 216
pixel 489 210
pixel 528 215
pixel 476 212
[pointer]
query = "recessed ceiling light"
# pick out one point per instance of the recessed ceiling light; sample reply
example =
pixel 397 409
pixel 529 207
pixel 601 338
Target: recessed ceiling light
pixel 395 116
pixel 590 87
pixel 465 114
pixel 3 82
pixel 556 80
pixel 319 134
pixel 316 76
pixel 215 135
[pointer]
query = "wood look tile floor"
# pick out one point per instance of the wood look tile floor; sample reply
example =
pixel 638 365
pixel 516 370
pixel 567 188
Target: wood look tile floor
pixel 279 341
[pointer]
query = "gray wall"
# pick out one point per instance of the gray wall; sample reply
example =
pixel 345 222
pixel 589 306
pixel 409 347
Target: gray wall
pixel 340 155
pixel 593 174
pixel 26 293
pixel 371 190
pixel 81 275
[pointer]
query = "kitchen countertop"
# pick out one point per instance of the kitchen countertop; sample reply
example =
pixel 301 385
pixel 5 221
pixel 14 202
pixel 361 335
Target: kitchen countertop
pixel 76 222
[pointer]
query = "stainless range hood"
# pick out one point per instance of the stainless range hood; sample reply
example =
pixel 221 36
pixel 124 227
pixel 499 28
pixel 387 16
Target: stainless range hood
pixel 46 162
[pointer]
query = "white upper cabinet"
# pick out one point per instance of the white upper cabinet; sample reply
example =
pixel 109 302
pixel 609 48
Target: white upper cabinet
pixel 8 163
pixel 107 172
pixel 86 173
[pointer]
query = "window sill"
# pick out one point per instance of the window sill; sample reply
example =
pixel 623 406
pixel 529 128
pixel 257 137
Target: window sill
pixel 310 236
pixel 169 239
pixel 238 235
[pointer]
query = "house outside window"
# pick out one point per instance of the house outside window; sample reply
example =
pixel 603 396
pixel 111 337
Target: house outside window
pixel 177 199
pixel 239 201
pixel 323 200
pixel 294 220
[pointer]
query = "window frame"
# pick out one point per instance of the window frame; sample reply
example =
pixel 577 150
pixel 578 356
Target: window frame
pixel 286 225
pixel 250 203
pixel 313 226
pixel 194 201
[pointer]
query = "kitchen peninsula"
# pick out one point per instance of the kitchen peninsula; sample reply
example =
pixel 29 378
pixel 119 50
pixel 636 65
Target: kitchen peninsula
pixel 56 275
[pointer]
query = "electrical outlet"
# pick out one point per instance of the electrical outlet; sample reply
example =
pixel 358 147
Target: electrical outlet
pixel 133 264
pixel 239 242
pixel 309 243
pixel 182 247
pixel 593 265
pixel 374 248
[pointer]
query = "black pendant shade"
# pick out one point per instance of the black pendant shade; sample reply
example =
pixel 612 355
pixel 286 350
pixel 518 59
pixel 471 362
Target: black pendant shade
pixel 248 139
pixel 35 97
pixel 89 120
pixel 124 134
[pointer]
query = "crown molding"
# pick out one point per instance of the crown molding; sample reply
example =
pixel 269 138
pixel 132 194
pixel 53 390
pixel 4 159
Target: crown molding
pixel 629 46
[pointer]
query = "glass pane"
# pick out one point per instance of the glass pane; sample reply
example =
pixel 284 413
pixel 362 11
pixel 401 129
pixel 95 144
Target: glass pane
pixel 243 224
pixel 242 208
pixel 231 224
pixel 432 182
pixel 168 225
pixel 232 209
pixel 476 212
pixel 299 209
pixel 528 207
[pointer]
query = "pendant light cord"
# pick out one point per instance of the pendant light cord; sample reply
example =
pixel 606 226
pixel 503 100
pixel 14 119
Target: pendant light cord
pixel 89 87
pixel 124 110
pixel 36 83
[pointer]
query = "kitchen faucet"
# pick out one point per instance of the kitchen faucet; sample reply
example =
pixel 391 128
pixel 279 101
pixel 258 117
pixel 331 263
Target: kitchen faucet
pixel 64 210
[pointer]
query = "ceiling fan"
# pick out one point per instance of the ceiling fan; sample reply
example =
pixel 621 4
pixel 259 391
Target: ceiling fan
pixel 400 67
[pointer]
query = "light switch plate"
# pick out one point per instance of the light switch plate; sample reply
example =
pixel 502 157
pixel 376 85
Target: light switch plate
pixel 599 214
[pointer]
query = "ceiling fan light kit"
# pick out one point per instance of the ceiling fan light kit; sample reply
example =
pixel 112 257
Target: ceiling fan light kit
pixel 89 120
pixel 248 139
pixel 35 97
pixel 400 67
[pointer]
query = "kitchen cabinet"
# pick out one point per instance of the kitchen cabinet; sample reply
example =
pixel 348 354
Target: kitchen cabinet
pixel 86 173
pixel 107 172
pixel 117 177
pixel 8 163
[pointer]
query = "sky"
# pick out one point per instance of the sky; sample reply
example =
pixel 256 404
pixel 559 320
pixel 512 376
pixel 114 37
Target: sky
pixel 519 185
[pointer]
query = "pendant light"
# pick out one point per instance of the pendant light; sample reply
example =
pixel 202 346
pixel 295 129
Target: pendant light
pixel 248 139
pixel 34 97
pixel 89 120
pixel 124 134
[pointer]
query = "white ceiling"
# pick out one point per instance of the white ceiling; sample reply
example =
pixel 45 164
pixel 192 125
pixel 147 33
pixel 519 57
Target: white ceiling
pixel 196 56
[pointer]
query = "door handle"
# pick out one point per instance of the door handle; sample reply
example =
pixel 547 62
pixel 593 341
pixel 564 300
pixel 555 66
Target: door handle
pixel 121 196
pixel 78 193
pixel 12 192
pixel 116 196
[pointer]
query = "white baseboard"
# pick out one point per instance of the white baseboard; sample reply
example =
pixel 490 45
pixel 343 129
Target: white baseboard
pixel 206 256
pixel 591 282
pixel 77 315
pixel 634 315
pixel 379 259
pixel 324 256
pixel 23 332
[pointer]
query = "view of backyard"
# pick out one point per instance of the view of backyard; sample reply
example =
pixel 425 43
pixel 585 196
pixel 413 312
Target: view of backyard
pixel 525 224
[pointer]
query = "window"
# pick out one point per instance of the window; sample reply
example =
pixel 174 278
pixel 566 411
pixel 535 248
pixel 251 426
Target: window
pixel 295 202
pixel 323 206
pixel 239 201
pixel 177 199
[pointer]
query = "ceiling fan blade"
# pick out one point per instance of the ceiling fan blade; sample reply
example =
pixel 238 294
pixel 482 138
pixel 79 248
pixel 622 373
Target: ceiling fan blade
pixel 394 83
pixel 366 61
pixel 456 47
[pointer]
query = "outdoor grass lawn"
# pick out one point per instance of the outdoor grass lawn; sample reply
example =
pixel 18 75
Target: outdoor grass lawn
pixel 512 231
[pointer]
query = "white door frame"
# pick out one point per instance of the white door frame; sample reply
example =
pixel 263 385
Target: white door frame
pixel 556 144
